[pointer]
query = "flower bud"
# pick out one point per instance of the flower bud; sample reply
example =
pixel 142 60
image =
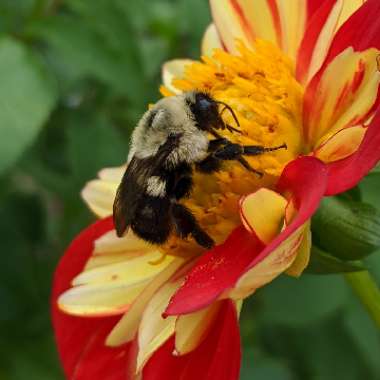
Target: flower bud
pixel 322 262
pixel 348 230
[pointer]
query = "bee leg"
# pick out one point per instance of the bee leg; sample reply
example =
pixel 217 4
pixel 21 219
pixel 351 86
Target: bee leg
pixel 236 152
pixel 183 187
pixel 232 129
pixel 246 164
pixel 209 165
pixel 186 224
pixel 255 150
pixel 217 143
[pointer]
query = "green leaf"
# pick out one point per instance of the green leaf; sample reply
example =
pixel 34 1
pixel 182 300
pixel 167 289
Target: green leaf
pixel 27 96
pixel 375 170
pixel 87 46
pixel 370 190
pixel 258 366
pixel 33 359
pixel 289 301
pixel 93 143
pixel 347 230
pixel 323 263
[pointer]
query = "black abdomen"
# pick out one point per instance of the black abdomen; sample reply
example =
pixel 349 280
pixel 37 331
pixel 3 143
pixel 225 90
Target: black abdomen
pixel 152 220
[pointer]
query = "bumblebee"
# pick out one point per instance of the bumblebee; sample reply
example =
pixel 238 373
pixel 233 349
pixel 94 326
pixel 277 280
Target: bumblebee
pixel 169 143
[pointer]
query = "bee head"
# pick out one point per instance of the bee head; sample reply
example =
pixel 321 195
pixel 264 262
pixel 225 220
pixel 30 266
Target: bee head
pixel 205 110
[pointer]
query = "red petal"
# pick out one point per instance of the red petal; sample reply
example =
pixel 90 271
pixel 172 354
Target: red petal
pixel 305 179
pixel 361 30
pixel 215 271
pixel 346 173
pixel 310 39
pixel 217 358
pixel 219 269
pixel 313 6
pixel 81 340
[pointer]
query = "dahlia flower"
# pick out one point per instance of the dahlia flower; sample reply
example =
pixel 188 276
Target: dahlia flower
pixel 302 72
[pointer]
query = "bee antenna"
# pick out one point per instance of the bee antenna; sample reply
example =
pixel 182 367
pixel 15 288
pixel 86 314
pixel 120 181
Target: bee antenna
pixel 226 106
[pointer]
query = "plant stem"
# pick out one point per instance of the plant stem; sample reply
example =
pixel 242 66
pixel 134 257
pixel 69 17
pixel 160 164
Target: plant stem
pixel 368 292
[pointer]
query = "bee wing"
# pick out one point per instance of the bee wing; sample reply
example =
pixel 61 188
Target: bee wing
pixel 132 186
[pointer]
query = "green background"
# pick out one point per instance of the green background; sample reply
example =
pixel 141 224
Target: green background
pixel 74 77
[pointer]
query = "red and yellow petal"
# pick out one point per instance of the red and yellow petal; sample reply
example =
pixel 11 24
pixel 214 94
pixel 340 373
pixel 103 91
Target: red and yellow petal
pixel 342 95
pixel 304 181
pixel 346 88
pixel 361 31
pixel 231 23
pixel 277 261
pixel 126 328
pixel 341 145
pixel 346 173
pixel 282 22
pixel 319 35
pixel 303 255
pixel 110 285
pixel 214 272
pixel 216 358
pixel 154 330
pixel 80 340
pixel 191 329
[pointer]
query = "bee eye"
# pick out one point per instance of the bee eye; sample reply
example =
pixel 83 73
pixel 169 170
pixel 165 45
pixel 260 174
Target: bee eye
pixel 204 104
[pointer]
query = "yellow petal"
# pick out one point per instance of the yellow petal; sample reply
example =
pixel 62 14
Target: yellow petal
pixel 110 249
pixel 263 213
pixel 260 19
pixel 277 262
pixel 174 70
pixel 100 299
pixel 110 243
pixel 341 145
pixel 110 289
pixel 293 19
pixel 154 330
pixel 114 174
pixel 131 271
pixel 126 328
pixel 349 8
pixel 97 261
pixel 346 93
pixel 99 196
pixel 210 41
pixel 324 40
pixel 191 329
pixel 230 26
pixel 303 255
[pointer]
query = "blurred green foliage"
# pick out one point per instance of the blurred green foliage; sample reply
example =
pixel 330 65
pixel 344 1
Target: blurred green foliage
pixel 75 76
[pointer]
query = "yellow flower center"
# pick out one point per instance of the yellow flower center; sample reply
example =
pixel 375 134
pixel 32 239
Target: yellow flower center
pixel 260 87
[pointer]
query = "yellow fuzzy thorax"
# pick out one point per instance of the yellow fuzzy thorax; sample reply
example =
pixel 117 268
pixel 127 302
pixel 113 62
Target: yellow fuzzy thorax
pixel 260 86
